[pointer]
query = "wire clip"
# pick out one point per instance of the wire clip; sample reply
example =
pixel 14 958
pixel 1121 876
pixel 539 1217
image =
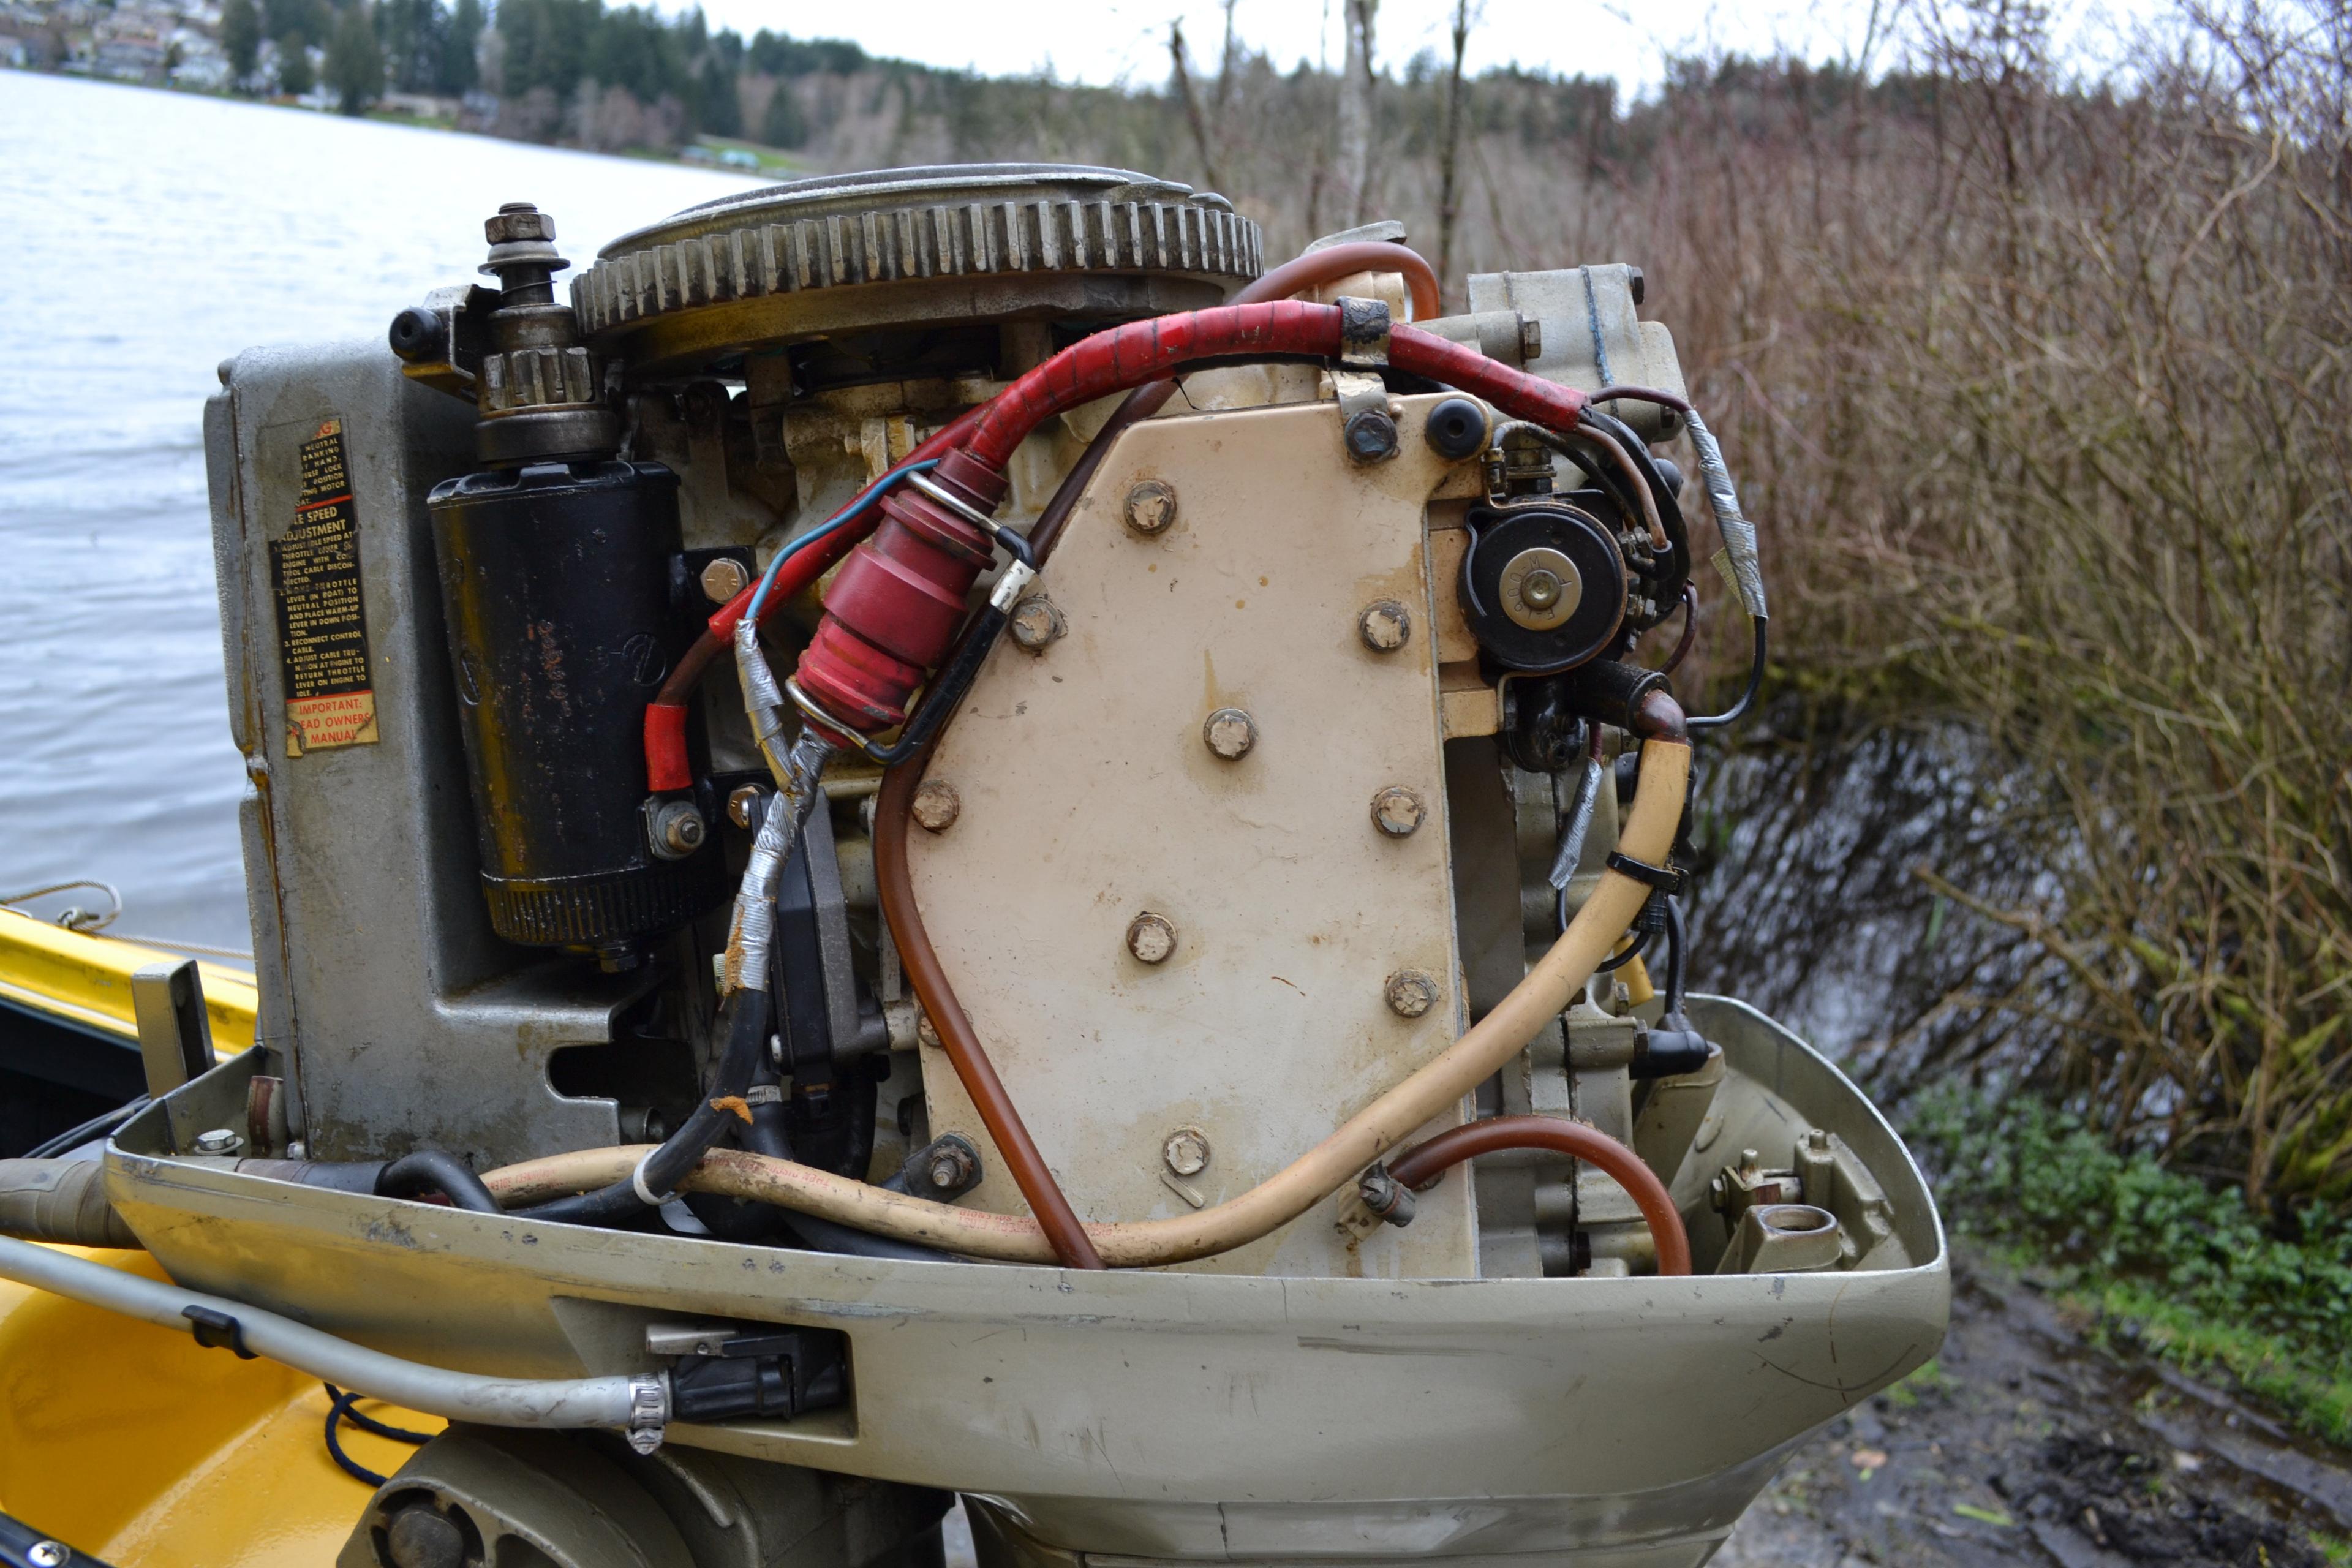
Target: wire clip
pixel 216 1331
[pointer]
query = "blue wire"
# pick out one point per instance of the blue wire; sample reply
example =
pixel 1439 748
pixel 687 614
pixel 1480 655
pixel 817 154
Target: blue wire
pixel 833 524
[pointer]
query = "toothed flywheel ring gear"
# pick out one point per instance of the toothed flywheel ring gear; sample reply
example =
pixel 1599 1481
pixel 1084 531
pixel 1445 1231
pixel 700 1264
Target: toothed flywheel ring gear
pixel 911 247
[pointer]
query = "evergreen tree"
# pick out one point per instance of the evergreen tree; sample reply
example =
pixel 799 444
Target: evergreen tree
pixel 240 36
pixel 716 108
pixel 458 72
pixel 355 61
pixel 295 76
pixel 784 125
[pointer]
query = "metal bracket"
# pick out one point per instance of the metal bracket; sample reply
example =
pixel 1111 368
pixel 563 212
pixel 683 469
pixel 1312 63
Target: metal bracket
pixel 1363 330
pixel 1359 391
pixel 174 1037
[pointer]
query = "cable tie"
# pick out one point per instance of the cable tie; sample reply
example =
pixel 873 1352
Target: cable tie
pixel 1666 880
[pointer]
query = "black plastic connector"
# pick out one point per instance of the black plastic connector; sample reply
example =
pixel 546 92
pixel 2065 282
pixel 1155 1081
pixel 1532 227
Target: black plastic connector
pixel 778 1375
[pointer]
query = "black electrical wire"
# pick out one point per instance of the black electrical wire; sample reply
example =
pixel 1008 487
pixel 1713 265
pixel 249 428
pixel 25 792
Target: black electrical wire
pixel 98 1126
pixel 1617 960
pixel 745 1020
pixel 1677 961
pixel 1739 710
pixel 343 1408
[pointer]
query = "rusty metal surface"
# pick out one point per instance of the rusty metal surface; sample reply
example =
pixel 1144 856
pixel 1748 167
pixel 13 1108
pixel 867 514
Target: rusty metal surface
pixel 1089 800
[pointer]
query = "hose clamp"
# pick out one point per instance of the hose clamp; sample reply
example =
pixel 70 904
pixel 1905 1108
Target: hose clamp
pixel 1363 330
pixel 648 1411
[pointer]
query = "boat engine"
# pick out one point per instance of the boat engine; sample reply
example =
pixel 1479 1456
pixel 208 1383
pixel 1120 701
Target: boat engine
pixel 920 827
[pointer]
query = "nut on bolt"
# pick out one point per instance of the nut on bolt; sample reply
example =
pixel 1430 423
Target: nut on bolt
pixel 1370 435
pixel 518 220
pixel 676 828
pixel 1150 508
pixel 1150 938
pixel 1186 1151
pixel 1036 621
pixel 741 802
pixel 1385 626
pixel 1398 811
pixel 1410 993
pixel 219 1141
pixel 1230 733
pixel 936 806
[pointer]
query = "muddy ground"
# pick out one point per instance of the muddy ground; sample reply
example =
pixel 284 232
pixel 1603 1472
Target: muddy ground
pixel 2031 1443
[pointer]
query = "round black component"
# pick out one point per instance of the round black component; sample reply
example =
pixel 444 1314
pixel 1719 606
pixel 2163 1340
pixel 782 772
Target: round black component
pixel 417 334
pixel 1371 435
pixel 555 582
pixel 1457 428
pixel 1543 587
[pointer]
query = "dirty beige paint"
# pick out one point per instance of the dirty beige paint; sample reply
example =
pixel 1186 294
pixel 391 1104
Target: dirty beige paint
pixel 1089 798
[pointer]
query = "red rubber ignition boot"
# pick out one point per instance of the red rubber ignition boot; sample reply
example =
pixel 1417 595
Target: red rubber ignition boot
pixel 893 608
pixel 665 766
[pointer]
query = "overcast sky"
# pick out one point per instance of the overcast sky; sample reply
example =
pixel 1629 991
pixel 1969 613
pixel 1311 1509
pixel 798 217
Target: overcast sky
pixel 1126 41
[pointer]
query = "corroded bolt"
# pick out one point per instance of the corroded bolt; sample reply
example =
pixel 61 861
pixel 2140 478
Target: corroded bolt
pixel 723 578
pixel 1410 993
pixel 1150 938
pixel 1397 811
pixel 1230 733
pixel 1370 435
pixel 518 220
pixel 741 802
pixel 681 829
pixel 1385 626
pixel 1186 1151
pixel 1036 621
pixel 936 806
pixel 1152 508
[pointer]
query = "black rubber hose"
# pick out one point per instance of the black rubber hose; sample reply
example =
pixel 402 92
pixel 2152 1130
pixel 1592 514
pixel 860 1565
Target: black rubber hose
pixel 745 1018
pixel 1677 960
pixel 1670 506
pixel 98 1126
pixel 437 1170
pixel 824 1236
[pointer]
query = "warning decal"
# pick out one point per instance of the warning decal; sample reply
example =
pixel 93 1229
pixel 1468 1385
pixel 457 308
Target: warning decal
pixel 322 622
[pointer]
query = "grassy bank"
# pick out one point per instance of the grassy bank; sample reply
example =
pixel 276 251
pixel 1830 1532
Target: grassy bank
pixel 2170 1264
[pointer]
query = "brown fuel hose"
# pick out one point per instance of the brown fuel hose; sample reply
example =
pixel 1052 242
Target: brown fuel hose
pixel 1433 1089
pixel 1419 1166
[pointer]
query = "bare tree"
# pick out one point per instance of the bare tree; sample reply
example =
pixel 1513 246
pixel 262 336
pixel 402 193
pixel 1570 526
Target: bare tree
pixel 1227 61
pixel 1449 192
pixel 1192 110
pixel 1355 117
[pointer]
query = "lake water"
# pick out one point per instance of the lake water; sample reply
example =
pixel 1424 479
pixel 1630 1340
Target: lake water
pixel 144 238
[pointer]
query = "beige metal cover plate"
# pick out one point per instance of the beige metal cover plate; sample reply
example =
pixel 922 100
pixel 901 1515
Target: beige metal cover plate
pixel 1091 796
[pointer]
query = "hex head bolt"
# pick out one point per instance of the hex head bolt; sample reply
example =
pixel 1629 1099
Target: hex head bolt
pixel 1370 436
pixel 1410 993
pixel 936 806
pixel 1230 733
pixel 1398 811
pixel 1036 622
pixel 1150 938
pixel 1385 626
pixel 1186 1151
pixel 1150 508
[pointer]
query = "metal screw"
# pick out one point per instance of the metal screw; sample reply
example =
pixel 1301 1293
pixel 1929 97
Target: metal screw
pixel 48 1555
pixel 1397 811
pixel 1385 626
pixel 1230 733
pixel 723 578
pixel 1186 1151
pixel 1150 938
pixel 1410 993
pixel 219 1141
pixel 741 802
pixel 936 806
pixel 926 1032
pixel 1152 508
pixel 1036 621
pixel 1370 435
pixel 678 830
pixel 420 1536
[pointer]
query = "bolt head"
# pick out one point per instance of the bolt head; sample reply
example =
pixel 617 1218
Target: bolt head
pixel 1150 938
pixel 681 828
pixel 1230 733
pixel 219 1141
pixel 724 578
pixel 926 1032
pixel 1398 811
pixel 519 220
pixel 1370 435
pixel 1186 1151
pixel 421 1536
pixel 1150 509
pixel 1410 993
pixel 741 802
pixel 936 806
pixel 48 1555
pixel 1036 621
pixel 1385 626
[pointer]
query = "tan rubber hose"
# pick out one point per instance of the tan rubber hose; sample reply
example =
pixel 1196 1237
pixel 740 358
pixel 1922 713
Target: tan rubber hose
pixel 1438 1086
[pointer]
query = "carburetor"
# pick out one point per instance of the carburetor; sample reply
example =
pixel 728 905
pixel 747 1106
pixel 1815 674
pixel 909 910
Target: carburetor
pixel 659 855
